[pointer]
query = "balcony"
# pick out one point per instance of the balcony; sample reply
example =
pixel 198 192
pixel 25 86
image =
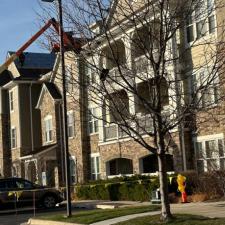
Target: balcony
pixel 141 65
pixel 115 76
pixel 143 125
pixel 114 132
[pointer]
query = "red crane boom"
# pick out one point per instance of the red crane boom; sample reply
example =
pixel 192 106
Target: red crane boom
pixel 50 22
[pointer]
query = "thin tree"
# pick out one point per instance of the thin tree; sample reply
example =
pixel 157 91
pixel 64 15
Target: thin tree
pixel 141 72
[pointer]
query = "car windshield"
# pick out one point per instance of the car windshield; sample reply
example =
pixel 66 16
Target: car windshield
pixel 24 184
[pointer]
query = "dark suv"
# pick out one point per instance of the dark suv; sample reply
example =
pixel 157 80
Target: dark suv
pixel 20 191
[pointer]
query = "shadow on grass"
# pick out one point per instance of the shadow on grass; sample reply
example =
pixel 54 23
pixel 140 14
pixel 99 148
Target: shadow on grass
pixel 179 219
pixel 92 216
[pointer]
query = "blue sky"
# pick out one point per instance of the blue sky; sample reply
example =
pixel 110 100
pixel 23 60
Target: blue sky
pixel 18 22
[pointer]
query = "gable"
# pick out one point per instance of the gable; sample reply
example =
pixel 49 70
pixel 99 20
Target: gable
pixel 48 91
pixel 120 10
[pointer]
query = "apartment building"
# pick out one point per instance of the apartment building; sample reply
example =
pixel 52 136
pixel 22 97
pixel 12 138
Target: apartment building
pixel 20 120
pixel 199 46
pixel 31 104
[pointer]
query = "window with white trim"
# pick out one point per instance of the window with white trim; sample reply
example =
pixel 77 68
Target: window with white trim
pixel 13 137
pixel 72 169
pixel 202 21
pixel 11 100
pixel 91 75
pixel 48 129
pixel 93 120
pixel 206 87
pixel 70 124
pixel 69 78
pixel 95 166
pixel 210 154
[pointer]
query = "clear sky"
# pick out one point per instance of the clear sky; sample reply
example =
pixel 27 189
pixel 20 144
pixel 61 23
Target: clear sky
pixel 18 22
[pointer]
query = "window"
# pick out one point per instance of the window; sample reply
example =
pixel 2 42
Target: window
pixel 210 153
pixel 48 129
pixel 95 167
pixel 11 100
pixel 23 184
pixel 189 29
pixel 72 170
pixel 206 87
pixel 69 79
pixel 70 124
pixel 13 137
pixel 202 21
pixel 91 75
pixel 92 120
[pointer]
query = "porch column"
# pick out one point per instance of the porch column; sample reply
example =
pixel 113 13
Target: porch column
pixel 127 39
pixel 99 65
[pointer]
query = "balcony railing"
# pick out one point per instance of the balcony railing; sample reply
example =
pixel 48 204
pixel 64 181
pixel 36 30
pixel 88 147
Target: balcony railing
pixel 143 125
pixel 141 65
pixel 115 75
pixel 113 132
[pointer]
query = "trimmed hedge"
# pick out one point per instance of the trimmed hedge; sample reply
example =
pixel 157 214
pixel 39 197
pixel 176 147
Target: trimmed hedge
pixel 136 188
pixel 139 188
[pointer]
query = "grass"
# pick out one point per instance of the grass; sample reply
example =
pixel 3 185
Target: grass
pixel 92 216
pixel 179 219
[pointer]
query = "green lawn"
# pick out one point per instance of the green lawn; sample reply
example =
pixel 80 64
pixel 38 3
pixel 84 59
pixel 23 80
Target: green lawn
pixel 91 216
pixel 178 220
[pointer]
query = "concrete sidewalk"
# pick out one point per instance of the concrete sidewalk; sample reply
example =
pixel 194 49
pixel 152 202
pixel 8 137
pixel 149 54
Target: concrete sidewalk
pixel 207 209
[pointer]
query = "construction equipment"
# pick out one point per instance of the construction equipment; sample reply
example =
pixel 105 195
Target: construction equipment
pixel 19 53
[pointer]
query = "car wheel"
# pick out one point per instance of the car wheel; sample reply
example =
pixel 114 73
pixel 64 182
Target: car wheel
pixel 49 201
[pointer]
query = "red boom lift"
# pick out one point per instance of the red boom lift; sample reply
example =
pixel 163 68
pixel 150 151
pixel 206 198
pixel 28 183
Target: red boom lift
pixel 17 54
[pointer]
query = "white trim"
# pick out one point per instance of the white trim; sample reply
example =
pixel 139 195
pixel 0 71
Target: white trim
pixel 48 118
pixel 205 18
pixel 44 90
pixel 96 154
pixel 71 112
pixel 97 174
pixel 13 128
pixel 209 137
pixel 12 91
pixel 39 153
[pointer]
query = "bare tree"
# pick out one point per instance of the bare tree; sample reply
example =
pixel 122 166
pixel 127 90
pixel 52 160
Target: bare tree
pixel 154 69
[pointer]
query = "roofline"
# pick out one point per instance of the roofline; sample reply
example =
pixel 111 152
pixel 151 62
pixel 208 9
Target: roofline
pixel 10 84
pixel 42 93
pixel 37 154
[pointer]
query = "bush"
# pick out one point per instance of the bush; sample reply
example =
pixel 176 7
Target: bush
pixel 136 188
pixel 199 187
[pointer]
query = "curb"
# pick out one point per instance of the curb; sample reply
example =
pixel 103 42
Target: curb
pixel 48 222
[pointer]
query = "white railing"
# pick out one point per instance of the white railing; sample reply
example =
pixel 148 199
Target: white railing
pixel 142 65
pixel 113 132
pixel 143 125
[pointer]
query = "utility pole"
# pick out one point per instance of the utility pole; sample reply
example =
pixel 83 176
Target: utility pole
pixel 65 131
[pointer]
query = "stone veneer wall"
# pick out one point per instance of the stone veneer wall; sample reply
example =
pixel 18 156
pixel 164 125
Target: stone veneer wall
pixel 131 150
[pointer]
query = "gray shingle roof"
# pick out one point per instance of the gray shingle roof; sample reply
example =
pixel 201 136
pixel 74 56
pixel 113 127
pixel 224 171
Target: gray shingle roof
pixel 5 77
pixel 53 90
pixel 36 60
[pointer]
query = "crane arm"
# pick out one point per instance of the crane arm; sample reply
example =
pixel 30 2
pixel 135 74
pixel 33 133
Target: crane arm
pixel 14 56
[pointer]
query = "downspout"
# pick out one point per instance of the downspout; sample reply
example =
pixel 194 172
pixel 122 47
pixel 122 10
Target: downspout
pixel 178 100
pixel 31 119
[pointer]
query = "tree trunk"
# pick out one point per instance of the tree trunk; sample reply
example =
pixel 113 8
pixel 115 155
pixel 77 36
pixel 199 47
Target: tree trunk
pixel 165 210
pixel 163 181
